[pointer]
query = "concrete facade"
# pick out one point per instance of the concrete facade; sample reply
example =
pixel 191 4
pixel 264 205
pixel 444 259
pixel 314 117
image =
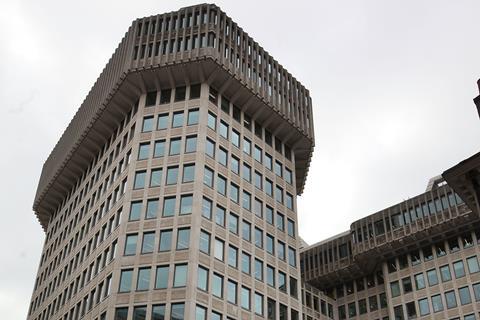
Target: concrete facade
pixel 172 195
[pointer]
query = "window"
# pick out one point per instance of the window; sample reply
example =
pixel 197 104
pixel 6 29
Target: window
pixel 121 313
pixel 207 208
pixel 221 185
pixel 220 216
pixel 222 156
pixel 169 206
pixel 258 180
pixel 232 256
pixel 258 238
pixel 235 138
pixel 218 249
pixel 178 311
pixel 202 278
pixel 148 242
pixel 200 313
pixel 292 257
pixel 476 291
pixel 278 168
pixel 159 149
pixel 437 303
pixel 143 151
pixel 139 313
pixel 245 263
pixel 472 264
pixel 210 148
pixel 152 208
pixel 268 187
pixel 175 144
pixel 234 165
pixel 282 281
pixel 257 154
pixel 217 285
pixel 208 177
pixel 280 221
pixel 156 177
pixel 180 275
pixel 281 250
pixel 125 280
pixel 139 180
pixel 279 194
pixel 161 279
pixel 191 144
pixel 186 202
pixel 165 96
pixel 269 215
pixel 165 240
pixel 204 244
pixel 432 277
pixel 231 291
pixel 464 294
pixel 271 309
pixel 143 281
pixel 188 173
pixel 246 230
pixel 212 121
pixel 407 285
pixel 245 298
pixel 288 176
pixel 183 238
pixel 172 175
pixel 223 130
pixel 459 269
pixel 193 115
pixel 268 161
pixel 234 192
pixel 177 120
pixel 450 299
pixel 135 210
pixel 270 276
pixel 291 228
pixel 395 288
pixel 246 200
pixel 258 303
pixel 445 273
pixel 247 146
pixel 162 121
pixel 131 244
pixel 270 244
pixel 195 91
pixel 147 124
pixel 151 98
pixel 289 201
pixel 423 306
pixel 258 270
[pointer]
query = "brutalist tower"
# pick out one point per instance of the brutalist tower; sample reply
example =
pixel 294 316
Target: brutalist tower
pixel 172 192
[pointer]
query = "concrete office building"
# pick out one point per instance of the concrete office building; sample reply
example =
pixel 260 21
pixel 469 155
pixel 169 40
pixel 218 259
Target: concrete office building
pixel 172 195
pixel 172 191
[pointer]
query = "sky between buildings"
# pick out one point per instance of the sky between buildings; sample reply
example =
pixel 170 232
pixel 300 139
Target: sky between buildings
pixel 392 85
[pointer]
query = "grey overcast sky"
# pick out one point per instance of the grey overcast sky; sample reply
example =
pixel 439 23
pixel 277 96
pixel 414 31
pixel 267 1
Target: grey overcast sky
pixel 392 84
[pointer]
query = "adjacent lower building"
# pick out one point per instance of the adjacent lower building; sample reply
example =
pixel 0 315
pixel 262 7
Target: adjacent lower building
pixel 172 195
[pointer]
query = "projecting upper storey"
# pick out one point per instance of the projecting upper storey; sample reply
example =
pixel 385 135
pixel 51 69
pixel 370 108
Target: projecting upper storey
pixel 195 44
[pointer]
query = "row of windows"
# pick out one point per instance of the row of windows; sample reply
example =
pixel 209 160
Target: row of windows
pixel 231 254
pixel 171 177
pixel 246 233
pixel 157 312
pixel 373 305
pixel 358 285
pixel 163 122
pixel 165 241
pixel 458 268
pixel 439 248
pixel 234 190
pixel 277 219
pixel 175 147
pixel 437 303
pixel 169 207
pixel 164 96
pixel 318 305
pixel 81 256
pixel 162 279
pixel 397 220
pixel 245 144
